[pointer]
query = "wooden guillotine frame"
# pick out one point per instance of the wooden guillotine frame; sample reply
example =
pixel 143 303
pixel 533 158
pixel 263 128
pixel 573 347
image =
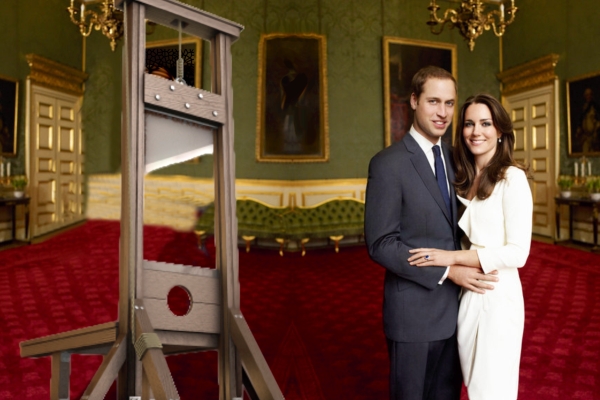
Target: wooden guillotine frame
pixel 134 347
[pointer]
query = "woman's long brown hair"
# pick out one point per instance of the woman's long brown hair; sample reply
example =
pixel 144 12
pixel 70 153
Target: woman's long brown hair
pixel 502 159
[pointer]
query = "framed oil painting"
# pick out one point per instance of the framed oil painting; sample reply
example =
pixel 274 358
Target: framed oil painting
pixel 583 114
pixel 292 124
pixel 9 100
pixel 162 55
pixel 402 58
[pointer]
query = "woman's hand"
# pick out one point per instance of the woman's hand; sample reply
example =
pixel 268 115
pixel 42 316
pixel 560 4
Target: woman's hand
pixel 432 258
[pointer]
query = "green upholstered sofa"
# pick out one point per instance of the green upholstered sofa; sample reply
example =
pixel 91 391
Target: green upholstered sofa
pixel 331 220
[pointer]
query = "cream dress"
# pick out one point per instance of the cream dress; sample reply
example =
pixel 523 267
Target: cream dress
pixel 490 326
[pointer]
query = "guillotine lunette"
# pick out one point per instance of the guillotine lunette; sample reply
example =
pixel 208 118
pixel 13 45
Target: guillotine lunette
pixel 134 347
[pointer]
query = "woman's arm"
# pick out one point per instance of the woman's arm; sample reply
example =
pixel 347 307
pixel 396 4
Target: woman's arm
pixel 517 205
pixel 443 258
pixel 517 208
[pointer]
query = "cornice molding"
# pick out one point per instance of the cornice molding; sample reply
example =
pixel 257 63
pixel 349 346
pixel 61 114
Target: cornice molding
pixel 531 75
pixel 54 75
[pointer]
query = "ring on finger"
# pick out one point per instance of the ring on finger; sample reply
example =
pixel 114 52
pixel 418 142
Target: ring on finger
pixel 427 257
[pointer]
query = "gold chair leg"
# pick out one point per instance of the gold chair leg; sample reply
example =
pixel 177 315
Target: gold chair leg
pixel 302 243
pixel 336 241
pixel 248 240
pixel 281 242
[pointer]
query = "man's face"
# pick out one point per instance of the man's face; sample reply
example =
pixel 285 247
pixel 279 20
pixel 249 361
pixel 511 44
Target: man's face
pixel 434 109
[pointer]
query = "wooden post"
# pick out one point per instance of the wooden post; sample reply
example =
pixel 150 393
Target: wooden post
pixel 226 228
pixel 61 371
pixel 132 204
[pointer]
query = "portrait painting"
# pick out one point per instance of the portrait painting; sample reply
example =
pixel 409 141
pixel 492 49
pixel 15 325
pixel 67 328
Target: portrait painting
pixel 402 58
pixel 292 123
pixel 583 100
pixel 9 93
pixel 162 56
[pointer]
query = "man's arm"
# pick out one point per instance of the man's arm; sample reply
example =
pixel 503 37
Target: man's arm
pixel 383 214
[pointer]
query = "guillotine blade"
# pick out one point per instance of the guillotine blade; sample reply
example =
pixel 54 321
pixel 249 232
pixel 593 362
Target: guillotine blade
pixel 171 140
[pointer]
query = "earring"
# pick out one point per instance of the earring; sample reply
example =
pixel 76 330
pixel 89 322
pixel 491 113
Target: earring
pixel 499 140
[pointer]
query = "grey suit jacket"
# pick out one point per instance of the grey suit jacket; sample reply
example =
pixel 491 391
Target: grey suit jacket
pixel 405 210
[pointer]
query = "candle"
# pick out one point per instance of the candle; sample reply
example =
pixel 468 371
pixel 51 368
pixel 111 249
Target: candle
pixel 576 168
pixel 501 12
pixel 582 169
pixel 8 169
pixel 589 168
pixel 1 170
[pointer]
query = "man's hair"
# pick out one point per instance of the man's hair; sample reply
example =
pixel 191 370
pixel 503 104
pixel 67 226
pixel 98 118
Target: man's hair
pixel 426 73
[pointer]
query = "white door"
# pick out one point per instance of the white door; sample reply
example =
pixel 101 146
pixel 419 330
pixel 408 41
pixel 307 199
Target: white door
pixel 534 118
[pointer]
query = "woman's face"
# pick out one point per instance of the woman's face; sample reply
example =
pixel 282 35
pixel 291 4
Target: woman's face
pixel 480 134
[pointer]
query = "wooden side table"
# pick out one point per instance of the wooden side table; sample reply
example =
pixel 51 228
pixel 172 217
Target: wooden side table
pixel 577 202
pixel 12 203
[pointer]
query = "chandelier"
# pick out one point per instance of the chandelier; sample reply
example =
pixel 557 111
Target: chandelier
pixel 108 20
pixel 471 19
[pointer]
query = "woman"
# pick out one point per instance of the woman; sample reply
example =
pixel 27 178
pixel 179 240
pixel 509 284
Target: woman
pixel 497 221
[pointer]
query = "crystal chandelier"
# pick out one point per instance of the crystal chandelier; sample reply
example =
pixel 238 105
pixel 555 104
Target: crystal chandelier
pixel 471 19
pixel 109 20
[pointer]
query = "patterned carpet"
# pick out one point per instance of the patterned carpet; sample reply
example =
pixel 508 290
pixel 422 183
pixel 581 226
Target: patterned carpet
pixel 316 318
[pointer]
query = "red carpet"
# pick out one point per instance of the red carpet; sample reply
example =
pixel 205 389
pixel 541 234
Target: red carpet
pixel 317 318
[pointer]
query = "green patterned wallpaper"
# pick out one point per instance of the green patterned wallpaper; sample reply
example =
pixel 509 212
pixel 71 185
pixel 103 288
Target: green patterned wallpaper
pixel 30 26
pixel 354 31
pixel 565 28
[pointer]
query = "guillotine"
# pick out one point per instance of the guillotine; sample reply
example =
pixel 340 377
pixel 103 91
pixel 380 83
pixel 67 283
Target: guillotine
pixel 164 121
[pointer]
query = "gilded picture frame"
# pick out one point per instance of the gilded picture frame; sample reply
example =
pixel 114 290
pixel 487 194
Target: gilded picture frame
pixel 292 113
pixel 583 115
pixel 162 55
pixel 9 104
pixel 402 58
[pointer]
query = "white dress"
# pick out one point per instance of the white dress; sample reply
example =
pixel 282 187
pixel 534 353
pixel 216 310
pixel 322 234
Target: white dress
pixel 490 326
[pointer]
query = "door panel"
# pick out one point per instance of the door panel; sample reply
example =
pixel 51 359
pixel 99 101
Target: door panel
pixel 55 158
pixel 532 113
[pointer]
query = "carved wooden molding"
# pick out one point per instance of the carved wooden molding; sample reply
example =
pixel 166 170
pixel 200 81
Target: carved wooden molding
pixel 55 75
pixel 530 75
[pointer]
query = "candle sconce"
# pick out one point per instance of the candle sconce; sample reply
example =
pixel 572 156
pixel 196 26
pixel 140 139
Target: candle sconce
pixel 582 168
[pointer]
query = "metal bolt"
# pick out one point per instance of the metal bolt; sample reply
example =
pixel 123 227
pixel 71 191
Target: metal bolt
pixel 187 105
pixel 157 97
pixel 172 87
pixel 215 113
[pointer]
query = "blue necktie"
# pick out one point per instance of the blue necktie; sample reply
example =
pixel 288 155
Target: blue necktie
pixel 440 175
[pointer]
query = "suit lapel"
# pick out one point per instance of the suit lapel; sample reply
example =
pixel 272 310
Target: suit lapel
pixel 423 168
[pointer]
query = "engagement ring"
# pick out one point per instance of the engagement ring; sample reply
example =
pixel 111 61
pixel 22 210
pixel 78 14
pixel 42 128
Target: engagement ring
pixel 427 257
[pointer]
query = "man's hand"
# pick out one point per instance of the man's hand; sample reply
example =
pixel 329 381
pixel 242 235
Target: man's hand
pixel 472 278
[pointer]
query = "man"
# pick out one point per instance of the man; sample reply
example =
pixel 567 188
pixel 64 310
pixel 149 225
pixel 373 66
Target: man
pixel 407 207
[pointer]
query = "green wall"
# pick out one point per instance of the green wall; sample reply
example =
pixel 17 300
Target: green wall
pixel 102 105
pixel 354 30
pixel 567 28
pixel 31 26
